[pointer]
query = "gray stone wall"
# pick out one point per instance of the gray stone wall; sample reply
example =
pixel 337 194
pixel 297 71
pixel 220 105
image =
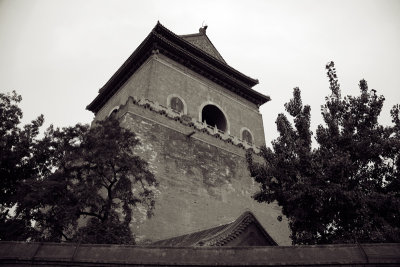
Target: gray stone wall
pixel 204 181
pixel 160 77
pixel 137 85
pixel 67 254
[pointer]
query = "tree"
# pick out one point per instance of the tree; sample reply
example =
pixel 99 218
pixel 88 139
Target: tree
pixel 347 188
pixel 74 184
pixel 16 162
pixel 96 183
pixel 16 145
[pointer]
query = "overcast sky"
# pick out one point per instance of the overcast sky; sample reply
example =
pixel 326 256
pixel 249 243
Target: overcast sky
pixel 58 53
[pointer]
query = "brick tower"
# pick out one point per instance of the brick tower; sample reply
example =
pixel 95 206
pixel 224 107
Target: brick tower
pixel 195 116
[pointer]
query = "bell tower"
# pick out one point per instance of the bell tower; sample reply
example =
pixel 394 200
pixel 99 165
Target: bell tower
pixel 195 116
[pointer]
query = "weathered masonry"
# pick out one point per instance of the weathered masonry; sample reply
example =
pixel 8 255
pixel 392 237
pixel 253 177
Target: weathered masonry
pixel 196 116
pixel 68 254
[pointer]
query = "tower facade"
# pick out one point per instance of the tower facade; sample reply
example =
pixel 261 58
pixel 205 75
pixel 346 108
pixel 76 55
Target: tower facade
pixel 195 116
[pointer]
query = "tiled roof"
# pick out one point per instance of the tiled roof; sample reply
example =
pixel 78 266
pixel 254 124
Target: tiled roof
pixel 164 41
pixel 217 236
pixel 202 41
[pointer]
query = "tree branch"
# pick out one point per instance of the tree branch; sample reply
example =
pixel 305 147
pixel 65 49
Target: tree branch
pixel 90 214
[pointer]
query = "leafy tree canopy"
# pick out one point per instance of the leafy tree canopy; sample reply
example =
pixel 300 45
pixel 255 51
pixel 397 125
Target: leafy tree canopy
pixel 16 163
pixel 16 145
pixel 345 190
pixel 83 184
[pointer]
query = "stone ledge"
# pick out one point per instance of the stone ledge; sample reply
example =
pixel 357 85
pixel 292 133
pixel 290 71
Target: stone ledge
pixel 61 254
pixel 185 120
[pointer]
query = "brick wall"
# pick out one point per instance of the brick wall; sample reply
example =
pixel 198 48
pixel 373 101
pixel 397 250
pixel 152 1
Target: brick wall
pixel 204 181
pixel 64 254
pixel 137 85
pixel 160 77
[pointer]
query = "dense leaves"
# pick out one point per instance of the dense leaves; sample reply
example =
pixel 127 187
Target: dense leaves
pixel 98 182
pixel 17 162
pixel 82 183
pixel 16 146
pixel 347 188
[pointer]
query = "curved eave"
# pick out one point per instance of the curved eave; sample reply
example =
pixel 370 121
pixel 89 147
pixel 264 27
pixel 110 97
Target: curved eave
pixel 237 227
pixel 208 70
pixel 218 56
pixel 160 29
pixel 187 55
pixel 129 67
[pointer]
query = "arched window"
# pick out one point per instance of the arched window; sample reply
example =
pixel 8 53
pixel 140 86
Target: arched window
pixel 213 116
pixel 176 104
pixel 246 136
pixel 113 112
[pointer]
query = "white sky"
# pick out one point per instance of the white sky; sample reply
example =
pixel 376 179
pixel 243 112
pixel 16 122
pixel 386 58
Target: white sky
pixel 58 53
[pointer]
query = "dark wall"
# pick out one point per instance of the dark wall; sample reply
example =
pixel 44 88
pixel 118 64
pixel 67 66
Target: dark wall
pixel 204 181
pixel 160 77
pixel 51 254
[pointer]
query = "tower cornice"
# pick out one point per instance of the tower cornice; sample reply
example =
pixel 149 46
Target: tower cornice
pixel 164 41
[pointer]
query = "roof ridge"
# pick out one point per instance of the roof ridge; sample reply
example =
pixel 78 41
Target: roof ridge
pixel 233 230
pixel 190 35
pixel 206 63
pixel 215 48
pixel 193 46
pixel 193 57
pixel 204 35
pixel 218 235
pixel 192 233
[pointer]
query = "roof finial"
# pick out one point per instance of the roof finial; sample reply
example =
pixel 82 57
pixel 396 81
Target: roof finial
pixel 203 28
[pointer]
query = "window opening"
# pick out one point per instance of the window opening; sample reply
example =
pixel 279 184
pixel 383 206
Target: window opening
pixel 176 104
pixel 246 136
pixel 213 116
pixel 113 113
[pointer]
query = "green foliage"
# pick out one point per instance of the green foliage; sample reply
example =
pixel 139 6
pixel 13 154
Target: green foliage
pixel 98 182
pixel 17 163
pixel 77 184
pixel 16 144
pixel 346 189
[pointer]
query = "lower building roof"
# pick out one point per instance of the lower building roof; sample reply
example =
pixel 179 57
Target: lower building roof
pixel 221 235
